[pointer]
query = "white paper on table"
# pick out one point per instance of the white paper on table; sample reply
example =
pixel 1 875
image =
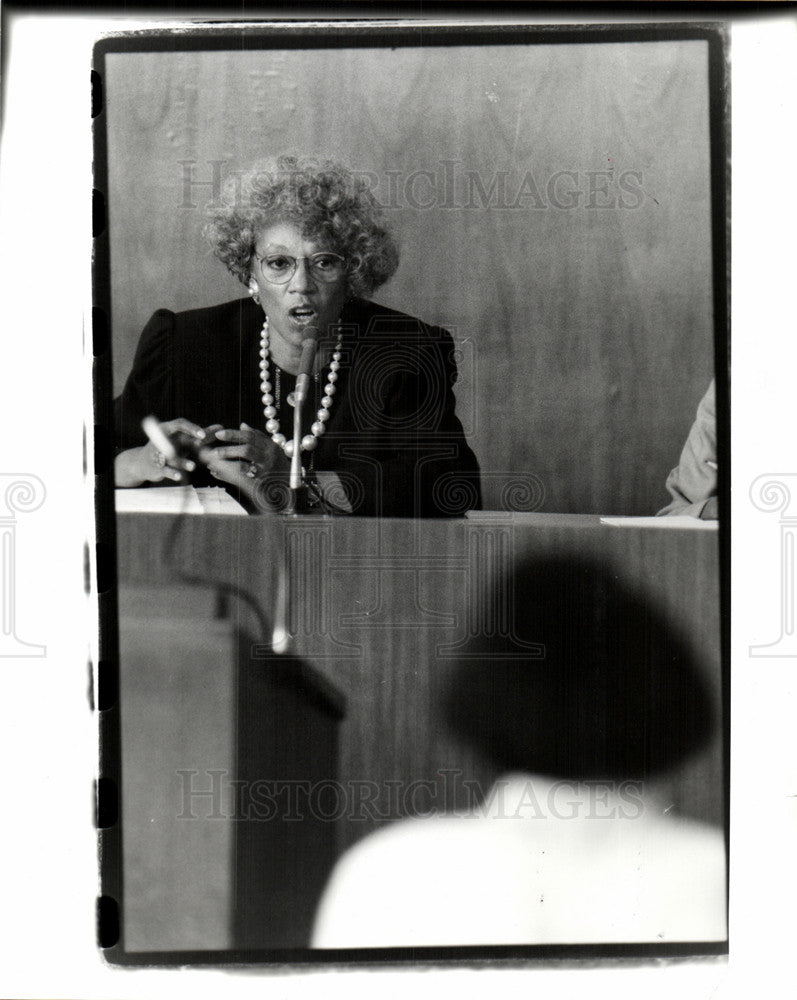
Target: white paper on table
pixel 177 500
pixel 159 500
pixel 216 500
pixel 695 523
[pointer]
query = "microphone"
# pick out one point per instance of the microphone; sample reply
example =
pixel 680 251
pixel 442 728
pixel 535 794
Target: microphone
pixel 309 350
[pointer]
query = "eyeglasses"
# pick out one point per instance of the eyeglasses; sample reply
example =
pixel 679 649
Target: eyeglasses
pixel 279 268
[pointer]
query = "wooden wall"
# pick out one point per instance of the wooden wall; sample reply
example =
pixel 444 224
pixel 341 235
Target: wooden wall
pixel 586 331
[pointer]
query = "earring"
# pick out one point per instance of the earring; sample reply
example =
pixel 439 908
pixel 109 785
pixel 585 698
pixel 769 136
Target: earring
pixel 253 290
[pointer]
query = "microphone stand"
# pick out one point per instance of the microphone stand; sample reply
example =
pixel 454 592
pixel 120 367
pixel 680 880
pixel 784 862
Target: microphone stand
pixel 298 501
pixel 299 496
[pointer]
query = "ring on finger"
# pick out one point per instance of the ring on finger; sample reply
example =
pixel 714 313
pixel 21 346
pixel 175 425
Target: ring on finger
pixel 253 470
pixel 160 459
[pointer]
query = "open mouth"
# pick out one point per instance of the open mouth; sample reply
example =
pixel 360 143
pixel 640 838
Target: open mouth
pixel 302 314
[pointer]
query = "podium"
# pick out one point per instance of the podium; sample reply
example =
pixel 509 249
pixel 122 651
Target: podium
pixel 207 728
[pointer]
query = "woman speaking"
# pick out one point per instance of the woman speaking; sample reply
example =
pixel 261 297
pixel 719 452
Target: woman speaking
pixel 379 433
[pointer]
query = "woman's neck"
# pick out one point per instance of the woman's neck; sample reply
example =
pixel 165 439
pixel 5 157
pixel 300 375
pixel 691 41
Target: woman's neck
pixel 289 356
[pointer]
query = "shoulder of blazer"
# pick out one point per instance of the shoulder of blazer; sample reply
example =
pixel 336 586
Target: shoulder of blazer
pixel 422 352
pixel 219 321
pixel 375 322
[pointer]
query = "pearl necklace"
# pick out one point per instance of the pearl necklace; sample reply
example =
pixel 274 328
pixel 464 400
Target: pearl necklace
pixel 309 441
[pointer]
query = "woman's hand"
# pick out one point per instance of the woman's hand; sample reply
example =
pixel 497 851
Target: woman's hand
pixel 149 465
pixel 244 458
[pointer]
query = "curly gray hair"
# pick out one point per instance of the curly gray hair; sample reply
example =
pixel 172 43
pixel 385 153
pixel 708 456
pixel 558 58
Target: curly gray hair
pixel 326 200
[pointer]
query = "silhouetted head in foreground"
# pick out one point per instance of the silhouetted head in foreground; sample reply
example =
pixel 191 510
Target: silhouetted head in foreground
pixel 616 695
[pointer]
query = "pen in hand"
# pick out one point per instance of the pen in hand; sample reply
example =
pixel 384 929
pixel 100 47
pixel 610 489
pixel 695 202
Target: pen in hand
pixel 165 445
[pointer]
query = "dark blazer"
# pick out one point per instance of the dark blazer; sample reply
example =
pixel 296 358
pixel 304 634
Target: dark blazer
pixel 393 437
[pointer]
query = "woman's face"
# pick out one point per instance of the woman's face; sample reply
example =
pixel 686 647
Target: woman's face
pixel 304 300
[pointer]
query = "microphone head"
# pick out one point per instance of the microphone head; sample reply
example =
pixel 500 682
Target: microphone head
pixel 311 335
pixel 309 348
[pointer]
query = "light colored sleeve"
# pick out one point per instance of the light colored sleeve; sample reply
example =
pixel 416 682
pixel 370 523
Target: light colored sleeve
pixel 373 894
pixel 692 484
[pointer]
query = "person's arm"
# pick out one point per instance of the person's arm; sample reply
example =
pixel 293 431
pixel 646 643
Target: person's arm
pixel 135 466
pixel 248 460
pixel 147 464
pixel 692 484
pixel 148 392
pixel 436 470
pixel 455 483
